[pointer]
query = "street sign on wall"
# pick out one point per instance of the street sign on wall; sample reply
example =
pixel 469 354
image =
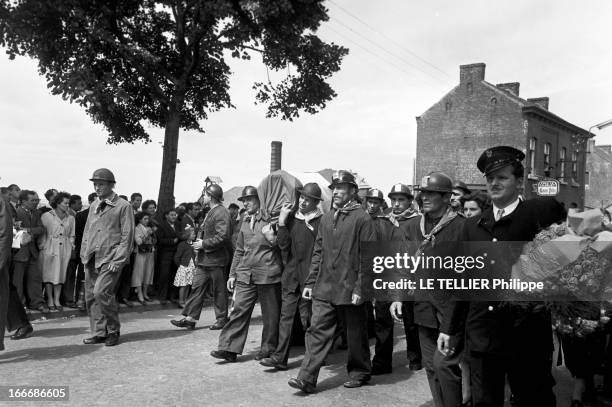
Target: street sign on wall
pixel 549 187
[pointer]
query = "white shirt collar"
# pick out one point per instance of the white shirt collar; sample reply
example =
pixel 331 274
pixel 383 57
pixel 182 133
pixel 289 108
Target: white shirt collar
pixel 507 210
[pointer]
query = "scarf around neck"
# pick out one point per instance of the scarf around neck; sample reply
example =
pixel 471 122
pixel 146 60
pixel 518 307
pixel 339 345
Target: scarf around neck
pixel 394 219
pixel 448 216
pixel 309 217
pixel 349 206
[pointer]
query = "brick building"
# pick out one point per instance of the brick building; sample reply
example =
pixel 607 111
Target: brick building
pixel 598 176
pixel 476 115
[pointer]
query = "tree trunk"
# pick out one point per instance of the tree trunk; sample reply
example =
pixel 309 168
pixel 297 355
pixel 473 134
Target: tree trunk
pixel 166 185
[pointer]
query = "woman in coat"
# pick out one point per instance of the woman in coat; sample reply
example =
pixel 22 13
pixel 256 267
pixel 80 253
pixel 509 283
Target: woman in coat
pixel 57 247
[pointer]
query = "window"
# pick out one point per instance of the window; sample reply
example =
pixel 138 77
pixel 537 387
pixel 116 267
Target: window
pixel 575 165
pixel 587 179
pixel 532 154
pixel 546 156
pixel 562 155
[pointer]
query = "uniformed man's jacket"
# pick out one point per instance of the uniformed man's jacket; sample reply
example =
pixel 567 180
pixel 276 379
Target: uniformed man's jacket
pixel 335 272
pixel 432 309
pixel 256 261
pixel 215 235
pixel 488 325
pixel 109 232
pixel 296 242
pixel 30 220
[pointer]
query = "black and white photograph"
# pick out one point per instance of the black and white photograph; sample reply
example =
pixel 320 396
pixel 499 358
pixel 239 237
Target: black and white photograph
pixel 306 203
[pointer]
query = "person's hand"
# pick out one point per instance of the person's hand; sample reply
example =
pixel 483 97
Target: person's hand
pixel 444 344
pixel 307 294
pixel 356 299
pixel 396 311
pixel 230 284
pixel 112 268
pixel 284 213
pixel 175 240
pixel 197 245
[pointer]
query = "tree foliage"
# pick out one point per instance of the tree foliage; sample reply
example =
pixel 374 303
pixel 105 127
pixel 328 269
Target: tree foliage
pixel 134 62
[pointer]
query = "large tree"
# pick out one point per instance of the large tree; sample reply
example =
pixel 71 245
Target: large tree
pixel 134 62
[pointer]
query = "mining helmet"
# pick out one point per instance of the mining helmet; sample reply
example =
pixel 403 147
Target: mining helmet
pixel 401 189
pixel 311 190
pixel 375 194
pixel 103 174
pixel 343 177
pixel 248 191
pixel 215 191
pixel 494 158
pixel 436 182
pixel 462 186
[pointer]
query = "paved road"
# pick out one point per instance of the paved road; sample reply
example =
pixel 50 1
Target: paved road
pixel 159 365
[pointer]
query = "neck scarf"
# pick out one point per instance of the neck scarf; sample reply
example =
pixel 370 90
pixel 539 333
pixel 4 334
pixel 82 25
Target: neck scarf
pixel 251 220
pixel 309 216
pixel 394 219
pixel 349 206
pixel 448 216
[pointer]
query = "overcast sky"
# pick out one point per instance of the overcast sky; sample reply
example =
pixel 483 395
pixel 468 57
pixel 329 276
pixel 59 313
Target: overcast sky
pixel 404 56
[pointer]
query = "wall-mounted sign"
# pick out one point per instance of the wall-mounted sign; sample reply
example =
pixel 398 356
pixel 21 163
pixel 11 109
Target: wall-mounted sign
pixel 549 187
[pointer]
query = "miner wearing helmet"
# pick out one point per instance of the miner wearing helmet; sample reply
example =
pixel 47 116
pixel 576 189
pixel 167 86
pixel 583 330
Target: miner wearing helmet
pixel 108 240
pixel 438 224
pixel 334 287
pixel 513 341
pixel 297 230
pixel 255 275
pixel 211 246
pixel 394 228
pixel 460 190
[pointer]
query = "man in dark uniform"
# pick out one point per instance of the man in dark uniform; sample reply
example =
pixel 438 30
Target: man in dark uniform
pixel 296 238
pixel 334 285
pixel 503 340
pixel 255 275
pixel 211 246
pixel 394 229
pixel 439 224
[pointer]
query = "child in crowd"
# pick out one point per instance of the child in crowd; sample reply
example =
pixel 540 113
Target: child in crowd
pixel 184 259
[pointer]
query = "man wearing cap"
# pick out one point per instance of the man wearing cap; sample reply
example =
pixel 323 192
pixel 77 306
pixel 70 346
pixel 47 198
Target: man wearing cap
pixel 334 286
pixel 255 274
pixel 108 240
pixel 296 237
pixel 460 190
pixel 212 256
pixel 512 341
pixel 439 224
pixel 394 228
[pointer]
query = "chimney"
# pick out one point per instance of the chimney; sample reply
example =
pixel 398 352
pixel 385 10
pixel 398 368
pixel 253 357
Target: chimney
pixel 511 87
pixel 275 159
pixel 471 73
pixel 542 102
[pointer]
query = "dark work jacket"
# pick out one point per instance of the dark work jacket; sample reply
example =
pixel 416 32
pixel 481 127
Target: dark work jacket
pixel 6 241
pixel 490 327
pixel 215 235
pixel 79 227
pixel 433 311
pixel 335 271
pixel 296 242
pixel 29 220
pixel 165 237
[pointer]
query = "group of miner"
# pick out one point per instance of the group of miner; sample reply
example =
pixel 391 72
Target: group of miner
pixel 308 263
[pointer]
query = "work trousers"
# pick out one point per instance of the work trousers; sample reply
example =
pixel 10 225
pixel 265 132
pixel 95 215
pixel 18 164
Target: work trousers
pixel 203 277
pixel 292 301
pixel 102 306
pixel 320 335
pixel 74 281
pixel 234 333
pixel 443 372
pixel 27 279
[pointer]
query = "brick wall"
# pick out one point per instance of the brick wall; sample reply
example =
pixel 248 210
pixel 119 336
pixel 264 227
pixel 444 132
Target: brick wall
pixel 599 166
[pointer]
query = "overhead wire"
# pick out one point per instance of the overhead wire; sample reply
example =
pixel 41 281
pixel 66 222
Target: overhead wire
pixel 388 38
